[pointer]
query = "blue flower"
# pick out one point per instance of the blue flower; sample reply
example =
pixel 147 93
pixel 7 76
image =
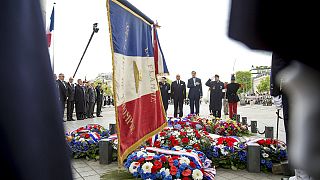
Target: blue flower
pixel 175 162
pixel 198 126
pixel 157 157
pixel 263 161
pixel 269 164
pixel 183 166
pixel 178 174
pixel 177 126
pixel 135 174
pixel 168 177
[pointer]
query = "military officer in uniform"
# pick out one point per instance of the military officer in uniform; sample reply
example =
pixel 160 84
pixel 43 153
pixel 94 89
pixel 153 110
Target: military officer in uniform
pixel 165 92
pixel 232 96
pixel 216 95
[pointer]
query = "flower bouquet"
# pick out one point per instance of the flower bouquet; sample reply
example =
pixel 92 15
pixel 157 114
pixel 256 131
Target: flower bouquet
pixel 229 128
pixel 83 141
pixel 272 151
pixel 228 152
pixel 155 163
pixel 182 134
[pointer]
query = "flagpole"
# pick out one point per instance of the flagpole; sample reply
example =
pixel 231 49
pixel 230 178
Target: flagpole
pixel 53 46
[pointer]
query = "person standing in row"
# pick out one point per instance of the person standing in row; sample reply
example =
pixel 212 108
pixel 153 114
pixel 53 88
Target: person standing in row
pixel 79 97
pixel 225 100
pixel 178 94
pixel 165 92
pixel 70 100
pixel 216 95
pixel 99 93
pixel 91 99
pixel 62 91
pixel 195 93
pixel 232 96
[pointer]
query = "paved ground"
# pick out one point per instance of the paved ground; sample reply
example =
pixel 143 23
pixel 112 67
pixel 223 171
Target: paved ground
pixel 264 115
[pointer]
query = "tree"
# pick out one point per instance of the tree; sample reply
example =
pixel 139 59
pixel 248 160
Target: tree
pixel 244 78
pixel 264 85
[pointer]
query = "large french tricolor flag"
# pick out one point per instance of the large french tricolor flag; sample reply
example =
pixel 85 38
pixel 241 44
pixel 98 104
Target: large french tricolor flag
pixel 50 28
pixel 139 110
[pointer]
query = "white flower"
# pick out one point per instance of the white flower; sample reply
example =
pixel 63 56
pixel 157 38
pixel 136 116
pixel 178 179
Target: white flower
pixel 266 148
pixel 197 174
pixel 273 147
pixel 146 167
pixel 134 167
pixel 82 140
pixel 167 171
pixel 265 155
pixel 184 160
pixel 223 152
pixel 163 141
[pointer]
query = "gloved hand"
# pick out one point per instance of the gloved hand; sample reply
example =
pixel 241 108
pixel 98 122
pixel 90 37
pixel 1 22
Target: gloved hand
pixel 278 102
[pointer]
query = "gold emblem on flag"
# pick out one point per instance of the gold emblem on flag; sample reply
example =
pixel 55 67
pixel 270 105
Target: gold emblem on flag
pixel 137 76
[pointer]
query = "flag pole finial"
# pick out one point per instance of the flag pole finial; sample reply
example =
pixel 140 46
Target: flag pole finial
pixel 157 25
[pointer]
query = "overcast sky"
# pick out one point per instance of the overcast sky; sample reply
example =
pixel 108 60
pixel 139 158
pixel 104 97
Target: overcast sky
pixel 193 36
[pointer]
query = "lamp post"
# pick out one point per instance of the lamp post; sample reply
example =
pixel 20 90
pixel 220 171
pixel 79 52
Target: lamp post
pixel 95 30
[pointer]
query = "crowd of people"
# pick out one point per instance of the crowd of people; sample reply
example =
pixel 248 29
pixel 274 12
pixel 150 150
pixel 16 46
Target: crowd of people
pixel 82 97
pixel 220 94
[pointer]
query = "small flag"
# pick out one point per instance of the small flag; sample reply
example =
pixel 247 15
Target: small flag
pixel 50 28
pixel 159 61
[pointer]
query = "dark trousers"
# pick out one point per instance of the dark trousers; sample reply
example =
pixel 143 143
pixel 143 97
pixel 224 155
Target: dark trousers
pixel 99 104
pixel 178 103
pixel 165 104
pixel 63 105
pixel 194 102
pixel 70 107
pixel 90 109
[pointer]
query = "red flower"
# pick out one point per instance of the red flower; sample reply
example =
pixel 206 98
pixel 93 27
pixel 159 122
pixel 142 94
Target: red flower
pixel 174 142
pixel 186 172
pixel 87 136
pixel 192 164
pixel 205 132
pixel 173 170
pixel 163 133
pixel 157 164
pixel 198 135
pixel 268 141
pixel 230 144
pixel 157 144
pixel 185 140
pixel 154 169
pixel 185 178
pixel 175 157
pixel 183 133
pixel 170 160
pixel 261 142
pixel 163 158
pixel 141 160
pixel 196 146
pixel 189 150
pixel 171 138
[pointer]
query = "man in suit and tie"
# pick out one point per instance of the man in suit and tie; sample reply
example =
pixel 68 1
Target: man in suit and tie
pixel 70 100
pixel 62 91
pixel 178 93
pixel 195 92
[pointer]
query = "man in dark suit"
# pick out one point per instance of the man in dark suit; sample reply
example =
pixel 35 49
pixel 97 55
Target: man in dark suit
pixel 91 99
pixel 62 91
pixel 79 97
pixel 165 92
pixel 99 93
pixel 195 92
pixel 178 94
pixel 216 95
pixel 70 100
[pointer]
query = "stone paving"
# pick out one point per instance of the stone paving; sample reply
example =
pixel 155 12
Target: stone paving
pixel 264 115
